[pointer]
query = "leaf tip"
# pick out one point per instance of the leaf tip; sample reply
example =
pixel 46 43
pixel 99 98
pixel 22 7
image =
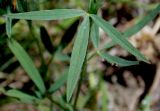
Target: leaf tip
pixel 146 60
pixel 68 97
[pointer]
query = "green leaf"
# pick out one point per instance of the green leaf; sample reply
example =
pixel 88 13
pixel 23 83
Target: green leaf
pixel 8 26
pixel 8 23
pixel 117 60
pixel 117 37
pixel 95 35
pixel 20 95
pixel 38 94
pixel 144 21
pixel 55 14
pixel 78 56
pixel 138 26
pixel 93 7
pixel 59 83
pixel 27 64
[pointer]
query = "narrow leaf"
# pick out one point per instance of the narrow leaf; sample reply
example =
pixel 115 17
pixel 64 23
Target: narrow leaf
pixel 20 95
pixel 55 14
pixel 59 83
pixel 115 60
pixel 138 26
pixel 8 26
pixel 8 23
pixel 95 35
pixel 27 64
pixel 78 56
pixel 144 21
pixel 117 37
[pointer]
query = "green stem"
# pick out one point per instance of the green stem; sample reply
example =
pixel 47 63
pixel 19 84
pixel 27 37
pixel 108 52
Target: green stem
pixel 90 5
pixel 37 41
pixel 94 53
pixel 57 103
pixel 48 75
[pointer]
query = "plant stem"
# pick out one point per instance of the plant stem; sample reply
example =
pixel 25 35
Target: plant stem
pixel 37 41
pixel 94 53
pixel 57 103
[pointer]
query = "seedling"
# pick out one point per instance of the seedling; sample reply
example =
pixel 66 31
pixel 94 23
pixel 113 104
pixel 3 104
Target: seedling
pixel 88 30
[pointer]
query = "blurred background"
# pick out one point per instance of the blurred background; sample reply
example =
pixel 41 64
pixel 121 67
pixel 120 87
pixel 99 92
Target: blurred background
pixel 49 43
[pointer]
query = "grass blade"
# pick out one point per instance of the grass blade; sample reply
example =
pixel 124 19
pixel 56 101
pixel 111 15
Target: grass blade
pixel 144 21
pixel 117 37
pixel 95 35
pixel 138 26
pixel 55 14
pixel 8 26
pixel 20 95
pixel 115 60
pixel 59 82
pixel 77 57
pixel 27 64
